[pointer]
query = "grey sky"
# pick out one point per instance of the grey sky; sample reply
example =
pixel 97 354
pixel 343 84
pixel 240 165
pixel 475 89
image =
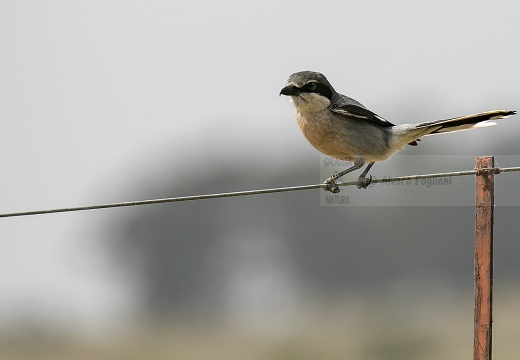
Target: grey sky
pixel 92 91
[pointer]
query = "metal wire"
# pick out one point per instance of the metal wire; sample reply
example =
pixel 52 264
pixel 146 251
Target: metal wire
pixel 246 193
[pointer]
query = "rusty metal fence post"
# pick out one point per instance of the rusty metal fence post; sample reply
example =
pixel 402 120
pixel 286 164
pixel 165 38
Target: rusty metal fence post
pixel 485 198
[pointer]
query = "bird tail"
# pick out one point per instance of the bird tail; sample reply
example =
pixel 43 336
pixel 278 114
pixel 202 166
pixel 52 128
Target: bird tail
pixel 464 122
pixel 410 133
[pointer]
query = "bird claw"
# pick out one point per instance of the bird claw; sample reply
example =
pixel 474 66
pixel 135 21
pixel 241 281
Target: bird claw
pixel 363 182
pixel 331 186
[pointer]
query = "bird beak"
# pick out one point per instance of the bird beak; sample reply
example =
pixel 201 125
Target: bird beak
pixel 290 90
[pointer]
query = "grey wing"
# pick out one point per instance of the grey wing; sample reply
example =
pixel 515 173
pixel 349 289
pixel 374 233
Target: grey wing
pixel 349 107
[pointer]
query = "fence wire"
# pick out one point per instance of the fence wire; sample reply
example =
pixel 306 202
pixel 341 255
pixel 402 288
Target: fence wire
pixel 245 193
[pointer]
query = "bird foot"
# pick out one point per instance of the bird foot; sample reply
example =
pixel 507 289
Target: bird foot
pixel 331 185
pixel 363 182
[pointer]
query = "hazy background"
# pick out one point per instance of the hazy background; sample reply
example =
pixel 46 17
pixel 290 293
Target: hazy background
pixel 107 101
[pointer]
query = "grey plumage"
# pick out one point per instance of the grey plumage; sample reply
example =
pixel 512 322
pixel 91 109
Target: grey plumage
pixel 343 128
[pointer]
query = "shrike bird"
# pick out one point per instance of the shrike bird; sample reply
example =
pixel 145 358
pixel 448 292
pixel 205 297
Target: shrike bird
pixel 344 129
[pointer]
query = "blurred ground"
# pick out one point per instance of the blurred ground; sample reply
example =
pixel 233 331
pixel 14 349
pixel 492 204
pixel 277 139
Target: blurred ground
pixel 438 328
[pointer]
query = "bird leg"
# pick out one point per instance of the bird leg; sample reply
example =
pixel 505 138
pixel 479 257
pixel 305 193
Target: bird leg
pixel 331 182
pixel 363 181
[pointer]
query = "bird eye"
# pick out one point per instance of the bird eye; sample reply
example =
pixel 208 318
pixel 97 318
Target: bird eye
pixel 311 86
